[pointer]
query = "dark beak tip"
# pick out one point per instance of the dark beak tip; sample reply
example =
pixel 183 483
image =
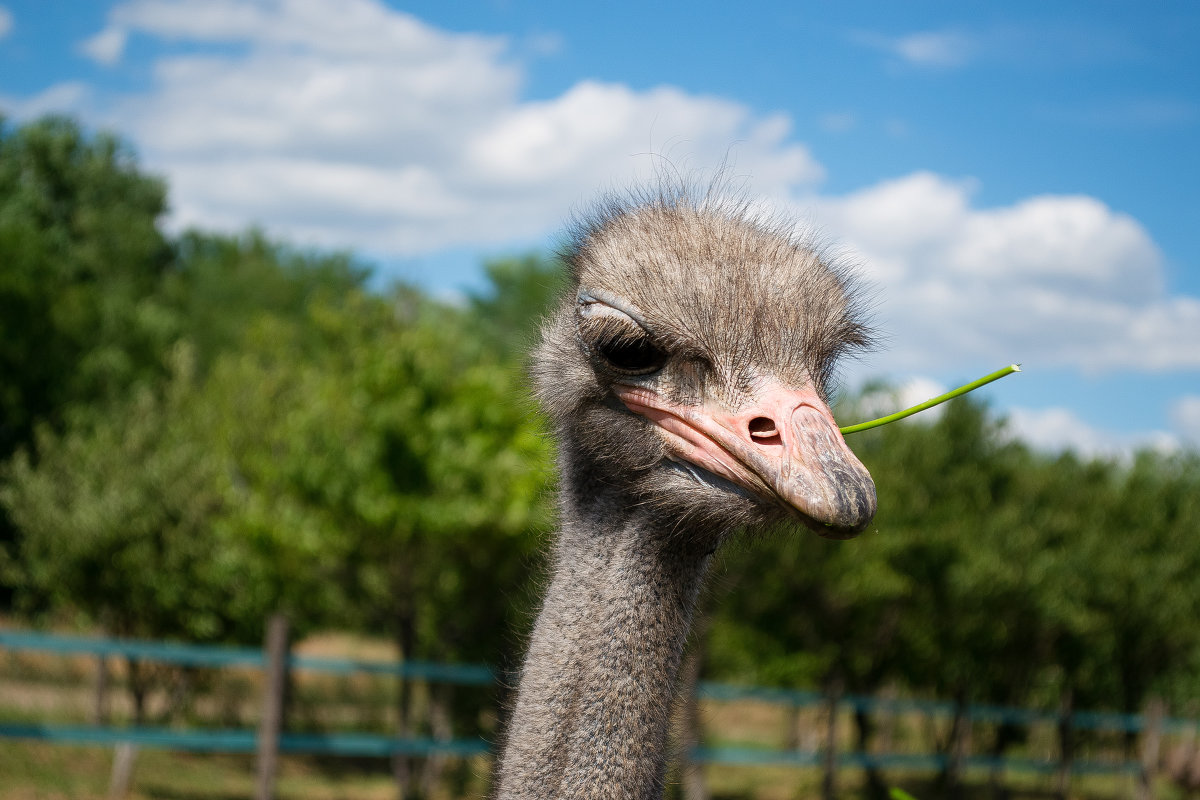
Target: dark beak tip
pixel 850 517
pixel 839 534
pixel 842 529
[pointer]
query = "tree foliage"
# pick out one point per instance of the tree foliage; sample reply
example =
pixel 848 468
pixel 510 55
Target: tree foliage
pixel 199 429
pixel 521 293
pixel 992 573
pixel 116 520
pixel 82 255
pixel 345 463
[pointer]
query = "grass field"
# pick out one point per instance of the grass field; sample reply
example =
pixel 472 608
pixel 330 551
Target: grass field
pixel 36 771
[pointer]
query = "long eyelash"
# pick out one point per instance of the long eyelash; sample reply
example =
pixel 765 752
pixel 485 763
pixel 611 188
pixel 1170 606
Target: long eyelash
pixel 610 331
pixel 621 343
pixel 612 328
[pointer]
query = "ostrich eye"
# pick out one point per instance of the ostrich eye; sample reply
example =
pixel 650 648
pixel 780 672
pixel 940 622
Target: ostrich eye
pixel 618 338
pixel 636 355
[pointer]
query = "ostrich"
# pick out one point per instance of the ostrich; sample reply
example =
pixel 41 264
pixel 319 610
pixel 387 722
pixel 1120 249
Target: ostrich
pixel 686 376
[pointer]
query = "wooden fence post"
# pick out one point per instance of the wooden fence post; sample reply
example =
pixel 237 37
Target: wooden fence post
pixel 829 781
pixel 124 754
pixel 275 657
pixel 1066 743
pixel 1151 744
pixel 124 758
pixel 100 692
pixel 956 746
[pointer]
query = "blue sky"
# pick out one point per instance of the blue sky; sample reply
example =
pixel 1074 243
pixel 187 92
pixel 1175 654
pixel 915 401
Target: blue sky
pixel 1017 181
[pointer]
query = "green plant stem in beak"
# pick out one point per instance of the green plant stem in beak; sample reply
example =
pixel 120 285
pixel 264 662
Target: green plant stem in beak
pixel 908 412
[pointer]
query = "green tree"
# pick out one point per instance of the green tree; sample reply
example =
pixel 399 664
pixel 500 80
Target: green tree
pixel 363 459
pixel 398 464
pixel 521 292
pixel 1139 552
pixel 118 516
pixel 80 260
pixel 217 285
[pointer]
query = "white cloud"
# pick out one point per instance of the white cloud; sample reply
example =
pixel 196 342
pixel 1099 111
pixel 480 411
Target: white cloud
pixel 937 49
pixel 1125 114
pixel 1051 281
pixel 838 122
pixel 62 98
pixel 911 392
pixel 1185 416
pixel 923 48
pixel 1042 45
pixel 107 46
pixel 352 124
pixel 1058 429
pixel 543 44
pixel 6 22
pixel 1049 430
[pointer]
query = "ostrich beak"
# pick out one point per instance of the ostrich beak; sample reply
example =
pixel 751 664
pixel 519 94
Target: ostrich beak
pixel 782 445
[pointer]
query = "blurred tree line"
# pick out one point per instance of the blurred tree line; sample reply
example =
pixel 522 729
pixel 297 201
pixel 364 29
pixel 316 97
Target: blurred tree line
pixel 199 429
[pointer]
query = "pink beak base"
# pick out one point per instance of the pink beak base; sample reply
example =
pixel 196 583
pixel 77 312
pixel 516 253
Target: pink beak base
pixel 783 446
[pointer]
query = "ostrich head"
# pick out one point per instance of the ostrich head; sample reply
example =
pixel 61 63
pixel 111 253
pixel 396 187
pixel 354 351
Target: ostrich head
pixel 688 371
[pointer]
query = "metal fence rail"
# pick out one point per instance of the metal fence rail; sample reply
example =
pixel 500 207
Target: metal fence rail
pixel 246 741
pixel 204 655
pixel 361 744
pixel 356 744
pixel 1079 720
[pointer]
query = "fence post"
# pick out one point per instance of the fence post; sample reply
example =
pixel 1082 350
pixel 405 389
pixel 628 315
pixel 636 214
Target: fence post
pixel 125 753
pixel 124 757
pixel 956 746
pixel 100 687
pixel 829 781
pixel 1151 743
pixel 275 657
pixel 1066 743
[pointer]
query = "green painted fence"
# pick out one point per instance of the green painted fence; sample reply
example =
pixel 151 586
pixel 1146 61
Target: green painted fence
pixel 349 744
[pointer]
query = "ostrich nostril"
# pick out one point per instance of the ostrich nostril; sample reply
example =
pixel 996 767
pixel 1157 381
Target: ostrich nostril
pixel 763 431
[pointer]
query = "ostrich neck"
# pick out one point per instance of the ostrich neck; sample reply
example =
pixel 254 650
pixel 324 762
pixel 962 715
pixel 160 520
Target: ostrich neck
pixel 598 683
